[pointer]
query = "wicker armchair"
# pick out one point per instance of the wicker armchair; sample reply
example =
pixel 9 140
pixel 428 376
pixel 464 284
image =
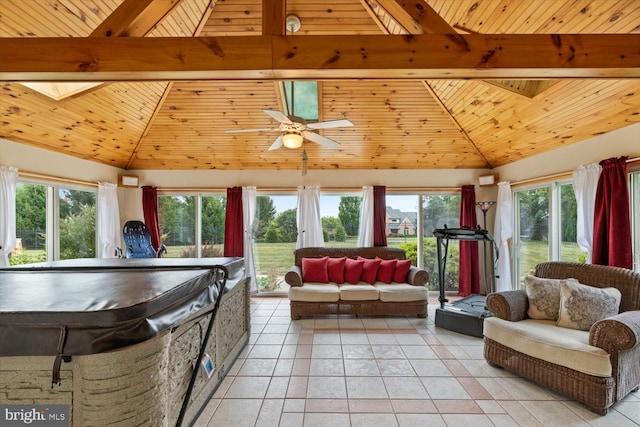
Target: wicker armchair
pixel 619 336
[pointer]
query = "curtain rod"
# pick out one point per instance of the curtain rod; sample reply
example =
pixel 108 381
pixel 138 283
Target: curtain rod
pixel 561 175
pixel 323 189
pixel 60 179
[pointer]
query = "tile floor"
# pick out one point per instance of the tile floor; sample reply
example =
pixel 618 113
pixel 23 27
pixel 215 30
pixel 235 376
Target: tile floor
pixel 381 371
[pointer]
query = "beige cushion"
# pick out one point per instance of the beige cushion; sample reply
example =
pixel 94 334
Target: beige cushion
pixel 315 292
pixel 544 297
pixel 401 292
pixel 359 292
pixel 544 340
pixel 581 305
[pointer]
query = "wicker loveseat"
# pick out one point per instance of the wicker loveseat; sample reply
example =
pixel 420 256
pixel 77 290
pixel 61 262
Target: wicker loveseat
pixel 406 298
pixel 598 367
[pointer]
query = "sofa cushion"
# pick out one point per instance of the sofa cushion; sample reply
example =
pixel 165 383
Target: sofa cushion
pixel 361 292
pixel 544 297
pixel 399 292
pixel 353 270
pixel 386 270
pixel 369 270
pixel 402 269
pixel 315 270
pixel 543 339
pixel 335 267
pixel 581 305
pixel 315 292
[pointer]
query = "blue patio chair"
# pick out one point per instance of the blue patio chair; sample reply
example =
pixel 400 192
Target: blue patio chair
pixel 138 241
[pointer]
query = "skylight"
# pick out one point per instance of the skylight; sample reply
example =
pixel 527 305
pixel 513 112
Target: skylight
pixel 305 100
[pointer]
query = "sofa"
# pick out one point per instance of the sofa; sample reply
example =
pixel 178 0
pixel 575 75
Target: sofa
pixel 591 352
pixel 356 281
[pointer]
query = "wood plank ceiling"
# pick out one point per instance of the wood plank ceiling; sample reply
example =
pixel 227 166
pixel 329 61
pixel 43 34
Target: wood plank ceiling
pixel 398 124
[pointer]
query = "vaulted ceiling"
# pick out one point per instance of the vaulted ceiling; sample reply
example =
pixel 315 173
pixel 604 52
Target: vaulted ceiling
pixel 399 123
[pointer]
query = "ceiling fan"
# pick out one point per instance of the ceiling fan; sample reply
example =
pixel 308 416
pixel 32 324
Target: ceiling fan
pixel 294 130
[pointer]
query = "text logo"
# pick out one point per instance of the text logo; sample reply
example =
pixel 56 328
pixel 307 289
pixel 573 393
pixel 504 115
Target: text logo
pixel 34 415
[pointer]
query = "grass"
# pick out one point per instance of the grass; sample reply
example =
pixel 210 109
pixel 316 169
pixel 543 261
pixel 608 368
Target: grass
pixel 533 252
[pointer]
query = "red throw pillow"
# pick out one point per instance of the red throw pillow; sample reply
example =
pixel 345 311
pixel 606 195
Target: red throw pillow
pixel 353 270
pixel 369 270
pixel 386 270
pixel 336 269
pixel 315 270
pixel 402 269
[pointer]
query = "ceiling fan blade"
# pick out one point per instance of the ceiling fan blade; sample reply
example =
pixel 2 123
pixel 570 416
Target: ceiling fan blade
pixel 279 116
pixel 251 130
pixel 276 144
pixel 330 124
pixel 319 139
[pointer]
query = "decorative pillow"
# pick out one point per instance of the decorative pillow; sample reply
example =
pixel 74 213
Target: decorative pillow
pixel 335 266
pixel 315 270
pixel 386 270
pixel 369 270
pixel 353 270
pixel 581 305
pixel 402 269
pixel 544 297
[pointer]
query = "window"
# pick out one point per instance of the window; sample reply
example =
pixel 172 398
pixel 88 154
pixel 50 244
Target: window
pixel 77 222
pixel 532 225
pixel 31 224
pixel 546 219
pixel 212 228
pixel 176 221
pixel 340 219
pixel 304 103
pixel 53 223
pixel 438 211
pixel 275 234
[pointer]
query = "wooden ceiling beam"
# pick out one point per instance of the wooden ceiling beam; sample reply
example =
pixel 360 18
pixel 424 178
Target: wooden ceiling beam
pixel 417 17
pixel 425 56
pixel 273 17
pixel 135 18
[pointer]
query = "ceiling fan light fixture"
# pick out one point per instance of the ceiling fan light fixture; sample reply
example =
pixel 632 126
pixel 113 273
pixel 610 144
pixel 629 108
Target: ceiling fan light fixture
pixel 292 140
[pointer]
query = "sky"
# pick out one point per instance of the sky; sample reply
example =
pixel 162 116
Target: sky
pixel 329 204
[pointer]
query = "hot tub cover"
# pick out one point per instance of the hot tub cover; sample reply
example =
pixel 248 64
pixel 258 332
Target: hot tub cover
pixel 102 305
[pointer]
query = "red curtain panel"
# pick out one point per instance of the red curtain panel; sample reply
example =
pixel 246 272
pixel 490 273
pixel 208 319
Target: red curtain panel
pixel 379 215
pixel 612 223
pixel 469 272
pixel 233 224
pixel 150 212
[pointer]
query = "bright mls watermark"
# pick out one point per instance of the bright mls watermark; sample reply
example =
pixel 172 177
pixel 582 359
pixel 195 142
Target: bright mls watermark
pixel 34 415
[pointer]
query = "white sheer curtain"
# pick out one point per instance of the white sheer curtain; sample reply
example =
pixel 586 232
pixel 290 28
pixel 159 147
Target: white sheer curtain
pixel 108 219
pixel 308 218
pixel 248 216
pixel 365 234
pixel 503 231
pixel 8 182
pixel 585 184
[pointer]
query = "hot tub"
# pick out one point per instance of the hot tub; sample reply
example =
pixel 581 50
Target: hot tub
pixel 127 330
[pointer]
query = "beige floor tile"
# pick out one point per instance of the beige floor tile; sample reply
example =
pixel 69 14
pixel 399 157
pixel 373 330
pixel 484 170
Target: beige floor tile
pixel 386 351
pixel 479 420
pixel 258 367
pixel 327 405
pixel 420 420
pixel 297 387
pixel 519 413
pixel 326 338
pixel 523 389
pixel 289 351
pixel 361 368
pixel 502 420
pixel 236 412
pixel 326 367
pixel 429 368
pixel 354 338
pixel 290 419
pixel 294 405
pixel 326 388
pixel 326 419
pixel 373 420
pixel 552 413
pixel 207 413
pixel 405 388
pixel 370 406
pixel 265 352
pixel 277 388
pixel 366 388
pixel 357 351
pixel 395 368
pixel 270 413
pixel 276 329
pixel 283 367
pixel 248 388
pixel 444 388
pixel 300 367
pixel 271 338
pixel 382 338
pixel 326 351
